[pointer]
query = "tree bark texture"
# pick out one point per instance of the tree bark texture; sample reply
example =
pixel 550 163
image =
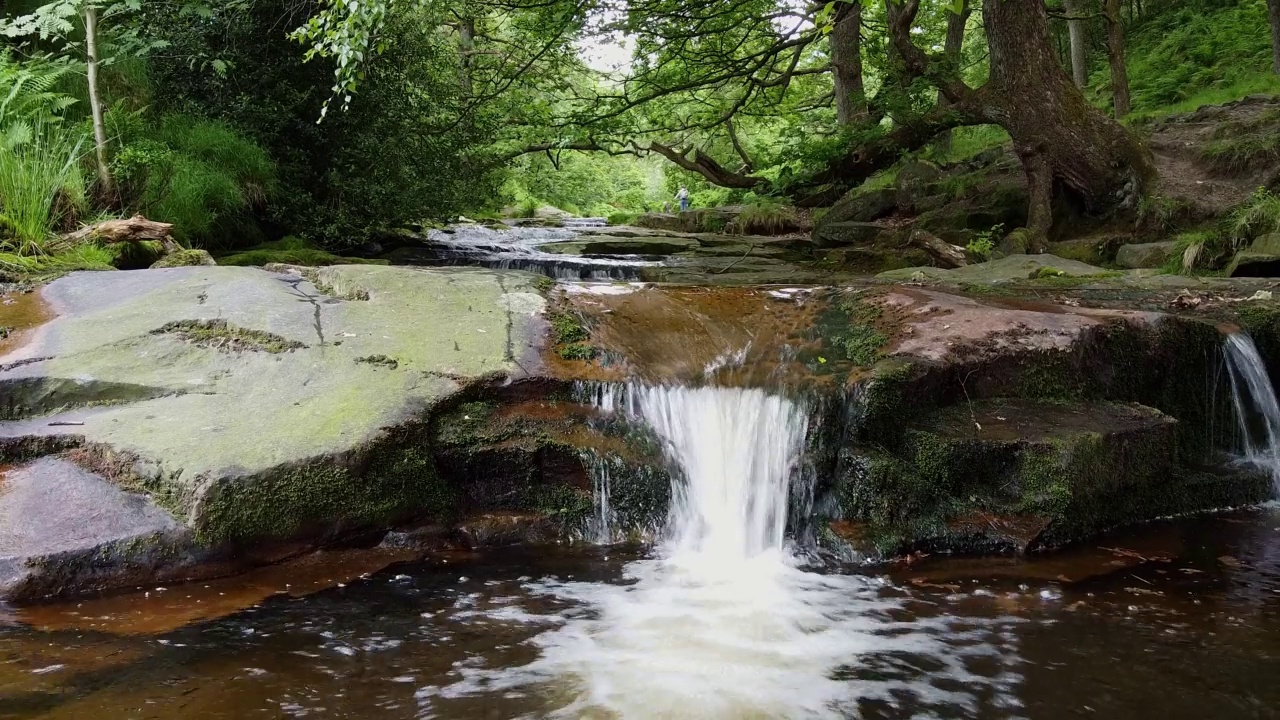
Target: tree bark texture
pixel 846 64
pixel 134 229
pixel 1062 140
pixel 1076 30
pixel 95 103
pixel 953 49
pixel 1115 56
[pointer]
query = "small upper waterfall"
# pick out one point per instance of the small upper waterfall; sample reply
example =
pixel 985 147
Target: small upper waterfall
pixel 1257 410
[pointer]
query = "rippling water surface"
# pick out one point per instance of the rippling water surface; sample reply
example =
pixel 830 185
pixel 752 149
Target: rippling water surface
pixel 1180 620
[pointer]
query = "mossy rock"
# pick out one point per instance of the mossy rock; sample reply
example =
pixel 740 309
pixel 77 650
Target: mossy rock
pixel 184 258
pixel 1037 469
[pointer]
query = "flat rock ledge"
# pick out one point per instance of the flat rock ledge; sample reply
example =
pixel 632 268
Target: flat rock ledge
pixel 203 414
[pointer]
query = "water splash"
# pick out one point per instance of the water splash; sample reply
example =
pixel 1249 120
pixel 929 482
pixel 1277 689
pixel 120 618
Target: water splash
pixel 1257 410
pixel 725 621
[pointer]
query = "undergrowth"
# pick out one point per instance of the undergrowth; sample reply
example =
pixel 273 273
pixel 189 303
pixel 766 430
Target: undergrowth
pixel 765 217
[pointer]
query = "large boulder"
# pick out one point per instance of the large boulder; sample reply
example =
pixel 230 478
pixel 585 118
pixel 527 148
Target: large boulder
pixel 1145 255
pixel 1260 259
pixel 240 409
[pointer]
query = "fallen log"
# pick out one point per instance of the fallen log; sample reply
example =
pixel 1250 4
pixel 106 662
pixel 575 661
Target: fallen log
pixel 946 254
pixel 134 229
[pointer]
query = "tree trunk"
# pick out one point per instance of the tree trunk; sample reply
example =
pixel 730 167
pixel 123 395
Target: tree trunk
pixel 466 53
pixel 95 103
pixel 1079 42
pixel 1115 56
pixel 1273 12
pixel 953 48
pixel 846 64
pixel 134 229
pixel 1063 141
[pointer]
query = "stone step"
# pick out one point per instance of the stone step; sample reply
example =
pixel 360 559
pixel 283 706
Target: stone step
pixel 1012 475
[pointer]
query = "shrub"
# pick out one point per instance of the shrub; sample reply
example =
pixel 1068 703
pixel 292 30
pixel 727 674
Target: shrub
pixel 766 217
pixel 197 174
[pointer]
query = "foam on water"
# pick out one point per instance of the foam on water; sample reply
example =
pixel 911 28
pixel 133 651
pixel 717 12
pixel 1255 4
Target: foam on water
pixel 725 621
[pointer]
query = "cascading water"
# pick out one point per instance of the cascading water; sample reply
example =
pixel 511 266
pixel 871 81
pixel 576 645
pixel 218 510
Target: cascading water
pixel 723 621
pixel 1257 410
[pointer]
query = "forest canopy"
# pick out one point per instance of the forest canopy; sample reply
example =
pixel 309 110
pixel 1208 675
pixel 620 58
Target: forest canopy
pixel 247 120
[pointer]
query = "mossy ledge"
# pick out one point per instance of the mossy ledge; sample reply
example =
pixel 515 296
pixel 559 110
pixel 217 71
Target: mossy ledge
pixel 222 335
pixel 1128 424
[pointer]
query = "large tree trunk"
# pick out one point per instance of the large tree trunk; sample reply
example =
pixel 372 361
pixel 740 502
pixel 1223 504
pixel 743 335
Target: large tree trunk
pixel 846 64
pixel 1273 12
pixel 953 49
pixel 1064 142
pixel 1115 56
pixel 1079 41
pixel 107 187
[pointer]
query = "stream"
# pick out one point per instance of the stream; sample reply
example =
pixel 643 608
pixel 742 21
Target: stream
pixel 723 618
pixel 1177 620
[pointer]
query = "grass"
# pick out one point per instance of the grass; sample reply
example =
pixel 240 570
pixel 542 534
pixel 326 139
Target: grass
pixel 1198 54
pixel 622 218
pixel 765 218
pixel 42 185
pixel 1241 146
pixel 1258 216
pixel 198 174
pixel 84 257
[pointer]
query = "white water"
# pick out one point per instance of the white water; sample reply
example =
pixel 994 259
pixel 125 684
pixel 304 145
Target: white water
pixel 1255 403
pixel 725 621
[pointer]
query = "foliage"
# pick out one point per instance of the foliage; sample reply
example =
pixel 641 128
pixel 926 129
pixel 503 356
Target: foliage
pixel 42 187
pixel 198 174
pixel 984 243
pixel 1258 216
pixel 1195 50
pixel 403 153
pixel 765 216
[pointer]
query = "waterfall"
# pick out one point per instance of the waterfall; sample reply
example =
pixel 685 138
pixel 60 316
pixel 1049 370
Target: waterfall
pixel 735 449
pixel 1257 411
pixel 723 621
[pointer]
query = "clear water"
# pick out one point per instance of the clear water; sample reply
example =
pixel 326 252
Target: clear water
pixel 1180 620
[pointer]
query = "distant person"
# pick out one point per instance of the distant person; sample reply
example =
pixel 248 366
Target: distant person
pixel 683 198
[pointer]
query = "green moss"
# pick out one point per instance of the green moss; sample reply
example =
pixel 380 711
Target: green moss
pixel 5 331
pixel 567 329
pixel 543 284
pixel 578 351
pixel 184 258
pixel 1050 277
pixel 291 250
pixel 222 335
pixel 380 361
pixel 298 501
pixel 567 506
pixel 851 328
